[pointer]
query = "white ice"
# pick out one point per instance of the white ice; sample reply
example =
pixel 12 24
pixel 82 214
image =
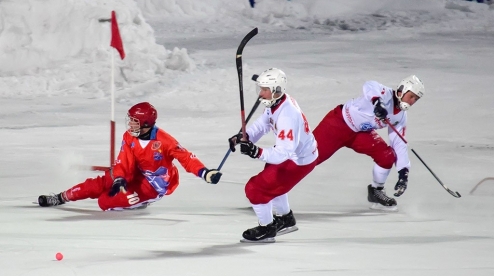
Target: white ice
pixel 55 113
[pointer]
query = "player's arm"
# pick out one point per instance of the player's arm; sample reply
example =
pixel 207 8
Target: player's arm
pixel 254 132
pixel 379 96
pixel 400 148
pixel 124 168
pixel 402 160
pixel 190 162
pixel 373 90
pixel 125 163
pixel 258 128
pixel 287 139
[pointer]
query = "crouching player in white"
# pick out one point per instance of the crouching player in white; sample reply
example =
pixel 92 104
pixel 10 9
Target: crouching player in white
pixel 353 125
pixel 292 157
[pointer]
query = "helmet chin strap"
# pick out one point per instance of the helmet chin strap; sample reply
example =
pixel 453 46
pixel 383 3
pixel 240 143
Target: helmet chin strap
pixel 269 103
pixel 134 133
pixel 139 134
pixel 403 105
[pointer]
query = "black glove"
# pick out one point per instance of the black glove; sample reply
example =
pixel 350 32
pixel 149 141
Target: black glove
pixel 401 185
pixel 379 109
pixel 211 176
pixel 235 140
pixel 119 185
pixel 248 148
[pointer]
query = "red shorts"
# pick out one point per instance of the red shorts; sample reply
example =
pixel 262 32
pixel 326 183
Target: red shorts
pixel 333 133
pixel 275 180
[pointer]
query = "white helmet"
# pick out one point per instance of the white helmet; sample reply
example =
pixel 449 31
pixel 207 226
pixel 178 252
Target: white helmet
pixel 275 80
pixel 410 83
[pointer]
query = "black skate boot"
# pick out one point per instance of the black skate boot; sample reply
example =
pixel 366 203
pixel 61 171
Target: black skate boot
pixel 380 200
pixel 285 224
pixel 260 234
pixel 50 200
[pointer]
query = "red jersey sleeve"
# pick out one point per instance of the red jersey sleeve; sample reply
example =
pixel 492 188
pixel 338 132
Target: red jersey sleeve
pixel 125 163
pixel 187 159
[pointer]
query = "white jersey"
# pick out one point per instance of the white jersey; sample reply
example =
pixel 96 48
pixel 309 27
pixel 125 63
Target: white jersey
pixel 294 139
pixel 359 116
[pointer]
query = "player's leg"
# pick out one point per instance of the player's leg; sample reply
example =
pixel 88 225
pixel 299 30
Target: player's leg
pixel 275 180
pixel 139 193
pixel 283 215
pixel 331 134
pixel 272 182
pixel 373 145
pixel 90 188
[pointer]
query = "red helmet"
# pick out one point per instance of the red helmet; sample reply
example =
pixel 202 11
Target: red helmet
pixel 140 116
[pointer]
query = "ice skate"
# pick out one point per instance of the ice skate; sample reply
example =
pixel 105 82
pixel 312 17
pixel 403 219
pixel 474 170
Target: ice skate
pixel 285 224
pixel 50 200
pixel 260 234
pixel 380 201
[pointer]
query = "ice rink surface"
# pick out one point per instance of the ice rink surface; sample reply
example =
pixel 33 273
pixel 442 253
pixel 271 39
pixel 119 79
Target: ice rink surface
pixel 51 125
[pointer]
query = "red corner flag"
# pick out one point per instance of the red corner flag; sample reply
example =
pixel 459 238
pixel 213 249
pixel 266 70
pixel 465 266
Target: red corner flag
pixel 116 40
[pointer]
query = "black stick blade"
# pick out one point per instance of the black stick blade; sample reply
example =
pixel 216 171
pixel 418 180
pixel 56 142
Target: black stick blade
pixel 246 39
pixel 455 194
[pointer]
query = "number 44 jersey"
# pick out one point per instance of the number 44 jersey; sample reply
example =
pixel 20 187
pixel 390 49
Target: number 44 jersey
pixel 294 138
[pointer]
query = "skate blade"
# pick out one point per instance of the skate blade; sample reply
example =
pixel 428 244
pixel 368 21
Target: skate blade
pixel 379 207
pixel 267 240
pixel 287 230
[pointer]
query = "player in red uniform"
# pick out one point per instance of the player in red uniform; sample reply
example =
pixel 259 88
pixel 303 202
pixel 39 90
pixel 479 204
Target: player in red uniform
pixel 143 172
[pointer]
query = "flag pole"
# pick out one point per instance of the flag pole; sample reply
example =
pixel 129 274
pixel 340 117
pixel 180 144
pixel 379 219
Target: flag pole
pixel 116 42
pixel 112 118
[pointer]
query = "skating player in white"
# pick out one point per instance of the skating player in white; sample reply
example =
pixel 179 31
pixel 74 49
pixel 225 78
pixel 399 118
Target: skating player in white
pixel 292 157
pixel 353 125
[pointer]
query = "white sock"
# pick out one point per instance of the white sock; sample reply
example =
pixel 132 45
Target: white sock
pixel 379 176
pixel 264 213
pixel 280 205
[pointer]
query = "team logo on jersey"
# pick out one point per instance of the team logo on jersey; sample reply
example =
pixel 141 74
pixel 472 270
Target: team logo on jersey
pixel 156 145
pixel 382 92
pixel 159 179
pixel 366 126
pixel 157 156
pixel 132 145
